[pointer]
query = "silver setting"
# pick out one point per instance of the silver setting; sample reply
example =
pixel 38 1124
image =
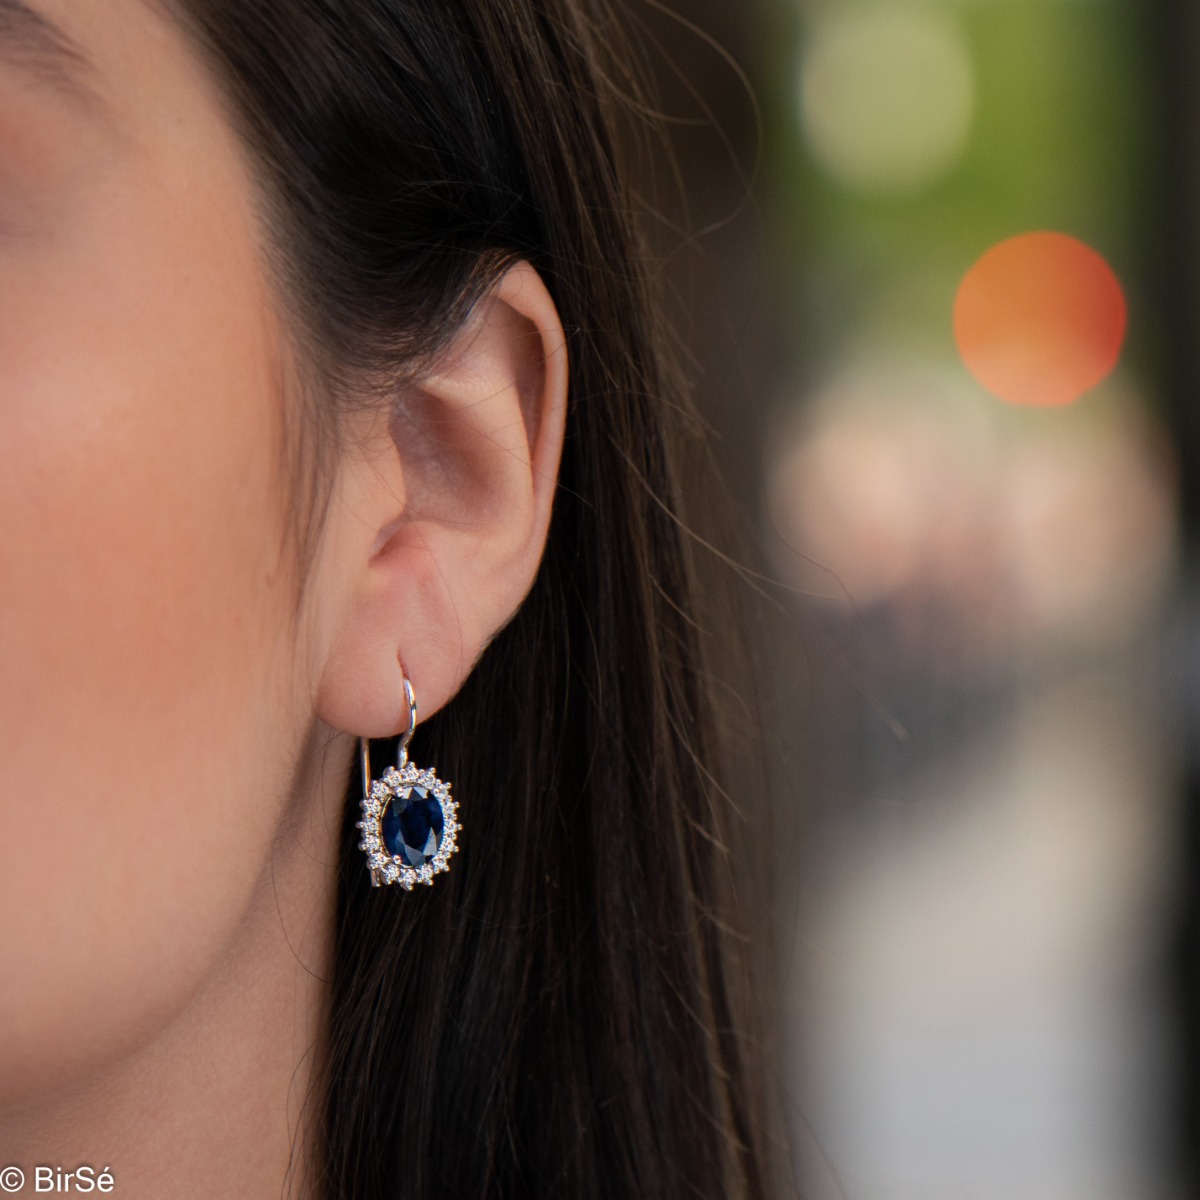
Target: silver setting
pixel 386 868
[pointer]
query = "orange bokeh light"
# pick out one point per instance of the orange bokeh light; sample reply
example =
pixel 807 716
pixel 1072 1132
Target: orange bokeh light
pixel 1040 319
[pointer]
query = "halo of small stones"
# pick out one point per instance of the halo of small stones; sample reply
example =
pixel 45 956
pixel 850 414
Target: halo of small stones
pixel 388 868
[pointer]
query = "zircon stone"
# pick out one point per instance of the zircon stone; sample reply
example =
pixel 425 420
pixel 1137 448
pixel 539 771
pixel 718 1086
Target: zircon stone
pixel 412 826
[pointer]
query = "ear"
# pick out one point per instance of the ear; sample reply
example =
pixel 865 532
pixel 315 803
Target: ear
pixel 440 513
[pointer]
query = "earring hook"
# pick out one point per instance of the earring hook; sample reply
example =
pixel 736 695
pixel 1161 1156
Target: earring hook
pixel 405 737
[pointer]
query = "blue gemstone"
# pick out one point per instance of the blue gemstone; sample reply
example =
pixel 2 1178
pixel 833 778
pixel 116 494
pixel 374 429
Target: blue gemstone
pixel 412 826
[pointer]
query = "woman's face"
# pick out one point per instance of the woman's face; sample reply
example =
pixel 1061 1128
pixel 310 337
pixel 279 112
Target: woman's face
pixel 153 685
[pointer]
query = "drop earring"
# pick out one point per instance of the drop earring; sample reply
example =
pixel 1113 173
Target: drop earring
pixel 409 821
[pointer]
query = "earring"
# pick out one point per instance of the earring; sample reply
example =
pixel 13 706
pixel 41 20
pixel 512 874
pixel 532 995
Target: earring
pixel 408 820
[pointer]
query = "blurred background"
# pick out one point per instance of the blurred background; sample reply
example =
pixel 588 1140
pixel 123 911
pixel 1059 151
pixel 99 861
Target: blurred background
pixel 934 266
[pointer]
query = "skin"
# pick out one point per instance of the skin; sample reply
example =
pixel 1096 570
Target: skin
pixel 174 736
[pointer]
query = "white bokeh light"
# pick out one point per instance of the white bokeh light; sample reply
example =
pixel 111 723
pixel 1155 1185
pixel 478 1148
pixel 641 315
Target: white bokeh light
pixel 887 97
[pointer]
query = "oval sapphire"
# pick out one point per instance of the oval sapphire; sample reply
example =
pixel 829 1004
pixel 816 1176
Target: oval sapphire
pixel 412 826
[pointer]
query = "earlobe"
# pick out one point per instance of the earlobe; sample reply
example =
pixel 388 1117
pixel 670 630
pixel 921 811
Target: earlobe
pixel 441 512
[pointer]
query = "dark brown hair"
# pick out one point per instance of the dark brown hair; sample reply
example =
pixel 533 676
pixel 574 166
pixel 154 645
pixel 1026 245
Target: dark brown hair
pixel 561 1016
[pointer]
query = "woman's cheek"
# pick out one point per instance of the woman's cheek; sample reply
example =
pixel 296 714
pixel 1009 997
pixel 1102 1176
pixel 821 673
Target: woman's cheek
pixel 145 649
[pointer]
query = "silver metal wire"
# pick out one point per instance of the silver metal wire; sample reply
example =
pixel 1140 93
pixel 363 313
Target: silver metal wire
pixel 406 737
